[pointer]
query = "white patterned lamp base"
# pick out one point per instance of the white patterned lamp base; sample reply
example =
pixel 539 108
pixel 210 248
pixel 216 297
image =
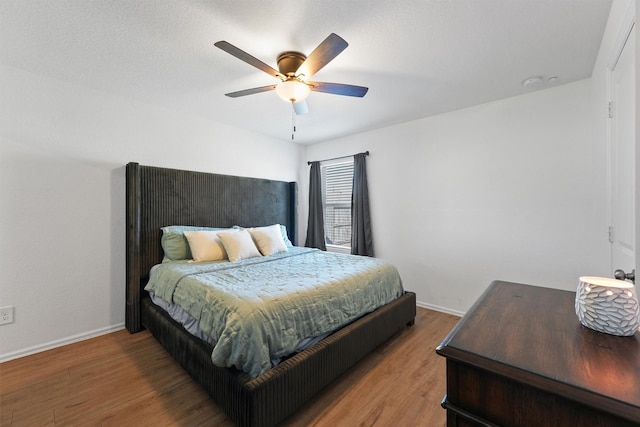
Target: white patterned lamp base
pixel 608 305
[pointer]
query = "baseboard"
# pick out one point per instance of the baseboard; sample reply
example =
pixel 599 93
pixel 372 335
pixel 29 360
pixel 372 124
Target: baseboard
pixel 61 342
pixel 440 309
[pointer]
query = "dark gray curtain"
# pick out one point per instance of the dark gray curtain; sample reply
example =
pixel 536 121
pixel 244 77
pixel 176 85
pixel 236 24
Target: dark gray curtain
pixel 361 237
pixel 315 224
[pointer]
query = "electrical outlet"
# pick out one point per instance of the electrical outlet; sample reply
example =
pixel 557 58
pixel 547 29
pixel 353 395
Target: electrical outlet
pixel 6 315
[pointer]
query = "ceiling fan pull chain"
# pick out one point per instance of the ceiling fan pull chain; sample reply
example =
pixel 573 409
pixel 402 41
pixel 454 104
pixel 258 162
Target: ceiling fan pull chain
pixel 293 121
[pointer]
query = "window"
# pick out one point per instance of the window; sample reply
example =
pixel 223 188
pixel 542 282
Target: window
pixel 337 183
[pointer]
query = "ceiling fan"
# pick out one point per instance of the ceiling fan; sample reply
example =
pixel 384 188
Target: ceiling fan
pixel 294 70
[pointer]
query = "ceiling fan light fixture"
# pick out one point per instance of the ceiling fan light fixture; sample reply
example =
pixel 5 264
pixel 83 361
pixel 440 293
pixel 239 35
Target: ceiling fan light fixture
pixel 293 90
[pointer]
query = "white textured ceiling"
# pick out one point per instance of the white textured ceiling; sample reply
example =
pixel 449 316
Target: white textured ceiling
pixel 418 58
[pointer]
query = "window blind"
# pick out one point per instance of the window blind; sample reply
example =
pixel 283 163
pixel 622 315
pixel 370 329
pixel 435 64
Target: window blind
pixel 337 186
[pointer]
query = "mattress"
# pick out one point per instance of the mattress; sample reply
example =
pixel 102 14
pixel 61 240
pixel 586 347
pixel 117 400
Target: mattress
pixel 258 310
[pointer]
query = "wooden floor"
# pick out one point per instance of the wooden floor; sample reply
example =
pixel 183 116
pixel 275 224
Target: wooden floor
pixel 121 379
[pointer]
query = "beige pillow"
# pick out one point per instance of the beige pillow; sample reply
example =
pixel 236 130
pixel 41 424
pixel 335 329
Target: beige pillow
pixel 268 239
pixel 238 244
pixel 205 245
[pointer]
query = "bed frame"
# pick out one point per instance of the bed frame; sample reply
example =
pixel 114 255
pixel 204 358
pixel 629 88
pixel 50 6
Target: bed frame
pixel 158 197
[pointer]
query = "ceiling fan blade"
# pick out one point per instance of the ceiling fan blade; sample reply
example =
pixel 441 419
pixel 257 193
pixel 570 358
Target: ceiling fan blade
pixel 244 56
pixel 250 91
pixel 322 55
pixel 300 107
pixel 338 89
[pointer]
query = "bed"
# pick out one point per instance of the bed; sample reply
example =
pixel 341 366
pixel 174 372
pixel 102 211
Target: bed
pixel 158 197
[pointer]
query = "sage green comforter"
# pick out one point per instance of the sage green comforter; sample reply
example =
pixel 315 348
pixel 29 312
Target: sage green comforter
pixel 259 309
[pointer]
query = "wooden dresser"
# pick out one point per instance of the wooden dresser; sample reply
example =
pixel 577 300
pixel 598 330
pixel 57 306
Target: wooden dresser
pixel 520 357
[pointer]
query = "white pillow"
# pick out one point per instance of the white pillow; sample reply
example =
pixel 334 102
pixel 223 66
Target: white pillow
pixel 205 245
pixel 238 244
pixel 268 239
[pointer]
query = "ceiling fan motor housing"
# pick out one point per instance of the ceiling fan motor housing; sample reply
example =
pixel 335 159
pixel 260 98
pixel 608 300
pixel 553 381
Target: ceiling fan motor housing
pixel 290 61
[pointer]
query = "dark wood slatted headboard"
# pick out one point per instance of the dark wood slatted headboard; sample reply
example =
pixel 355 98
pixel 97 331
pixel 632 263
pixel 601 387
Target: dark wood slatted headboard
pixel 157 197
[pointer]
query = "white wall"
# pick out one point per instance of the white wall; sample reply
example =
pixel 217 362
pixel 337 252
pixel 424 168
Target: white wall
pixel 62 184
pixel 510 190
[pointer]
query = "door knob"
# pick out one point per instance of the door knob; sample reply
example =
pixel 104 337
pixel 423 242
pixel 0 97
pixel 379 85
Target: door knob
pixel 621 275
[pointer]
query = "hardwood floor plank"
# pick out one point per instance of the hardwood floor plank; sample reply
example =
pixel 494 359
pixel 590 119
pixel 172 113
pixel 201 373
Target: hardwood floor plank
pixel 121 379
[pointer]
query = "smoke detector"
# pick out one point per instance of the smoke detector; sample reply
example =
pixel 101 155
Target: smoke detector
pixel 533 82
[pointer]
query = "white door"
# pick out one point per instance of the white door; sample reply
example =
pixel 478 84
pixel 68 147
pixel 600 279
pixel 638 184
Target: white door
pixel 622 168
